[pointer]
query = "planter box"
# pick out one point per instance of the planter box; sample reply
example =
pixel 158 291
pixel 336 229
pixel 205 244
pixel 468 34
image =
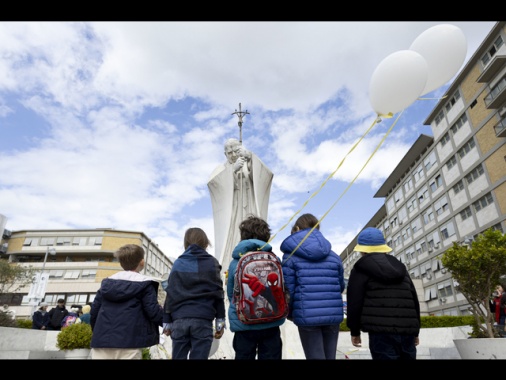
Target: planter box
pixel 481 348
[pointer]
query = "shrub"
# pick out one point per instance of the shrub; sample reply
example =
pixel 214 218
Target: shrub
pixel 6 320
pixel 74 336
pixel 24 323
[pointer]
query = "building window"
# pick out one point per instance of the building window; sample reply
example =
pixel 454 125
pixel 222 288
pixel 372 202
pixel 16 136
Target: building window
pixel 483 202
pixel 458 187
pixel 466 148
pixel 89 273
pixel 439 117
pixel 466 213
pixel 405 233
pixel 52 299
pixel 77 299
pixel 46 241
pixel 55 273
pixel 445 139
pixel 451 162
pixel 63 241
pixel 423 194
pixel 497 227
pixel 398 195
pixel 445 290
pixel 477 171
pixel 459 123
pixel 30 242
pixel 430 160
pixel 411 204
pixel 452 101
pixel 79 241
pixel 428 216
pixel 447 230
pixel 408 185
pixel 419 174
pixel 436 182
pixel 95 240
pixel 71 274
pixel 441 205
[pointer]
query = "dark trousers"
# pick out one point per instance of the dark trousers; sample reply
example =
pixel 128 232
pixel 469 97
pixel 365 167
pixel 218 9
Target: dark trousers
pixel 266 343
pixel 192 338
pixel 392 346
pixel 319 342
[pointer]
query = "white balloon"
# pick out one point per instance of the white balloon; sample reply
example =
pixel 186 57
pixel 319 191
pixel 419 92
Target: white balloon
pixel 444 47
pixel 397 82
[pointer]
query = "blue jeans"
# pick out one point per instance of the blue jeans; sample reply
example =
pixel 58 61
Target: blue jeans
pixel 191 335
pixel 319 342
pixel 267 342
pixel 392 346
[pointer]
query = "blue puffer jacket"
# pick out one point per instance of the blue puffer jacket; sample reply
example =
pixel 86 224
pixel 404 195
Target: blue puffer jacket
pixel 314 276
pixel 243 247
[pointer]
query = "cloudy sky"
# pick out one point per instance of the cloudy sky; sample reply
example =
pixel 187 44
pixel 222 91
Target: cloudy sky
pixel 119 124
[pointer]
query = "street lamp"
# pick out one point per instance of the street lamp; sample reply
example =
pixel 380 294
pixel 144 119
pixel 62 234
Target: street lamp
pixel 52 252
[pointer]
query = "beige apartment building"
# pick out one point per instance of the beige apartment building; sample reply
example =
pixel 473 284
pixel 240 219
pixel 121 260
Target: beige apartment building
pixel 450 186
pixel 74 261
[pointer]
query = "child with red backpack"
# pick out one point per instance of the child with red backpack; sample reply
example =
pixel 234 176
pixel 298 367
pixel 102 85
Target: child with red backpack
pixel 250 340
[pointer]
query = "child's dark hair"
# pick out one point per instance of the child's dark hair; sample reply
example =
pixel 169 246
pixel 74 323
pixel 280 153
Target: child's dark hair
pixel 306 221
pixel 255 228
pixel 130 256
pixel 195 235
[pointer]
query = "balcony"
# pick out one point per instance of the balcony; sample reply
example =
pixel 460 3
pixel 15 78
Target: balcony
pixel 500 128
pixel 491 70
pixel 497 95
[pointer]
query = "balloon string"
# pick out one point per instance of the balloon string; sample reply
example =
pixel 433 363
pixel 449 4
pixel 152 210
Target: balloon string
pixel 324 182
pixel 433 98
pixel 349 185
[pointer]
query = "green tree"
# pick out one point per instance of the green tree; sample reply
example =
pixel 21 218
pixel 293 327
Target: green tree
pixel 13 276
pixel 478 269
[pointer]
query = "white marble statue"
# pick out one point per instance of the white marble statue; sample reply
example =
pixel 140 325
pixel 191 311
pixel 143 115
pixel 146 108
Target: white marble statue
pixel 239 187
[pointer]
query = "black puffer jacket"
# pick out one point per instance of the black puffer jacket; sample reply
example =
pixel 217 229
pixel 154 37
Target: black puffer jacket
pixel 382 297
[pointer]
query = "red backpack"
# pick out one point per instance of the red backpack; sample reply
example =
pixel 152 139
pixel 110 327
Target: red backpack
pixel 259 288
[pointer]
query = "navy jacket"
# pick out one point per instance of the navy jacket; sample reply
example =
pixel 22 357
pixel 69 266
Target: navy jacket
pixel 314 276
pixel 382 297
pixel 125 312
pixel 195 287
pixel 39 319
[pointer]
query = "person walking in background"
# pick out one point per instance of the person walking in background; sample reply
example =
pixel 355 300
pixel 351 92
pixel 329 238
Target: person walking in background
pixel 71 318
pixel 125 314
pixel 56 315
pixel 382 300
pixel 314 276
pixel 195 300
pixel 250 340
pixel 85 316
pixel 498 307
pixel 40 318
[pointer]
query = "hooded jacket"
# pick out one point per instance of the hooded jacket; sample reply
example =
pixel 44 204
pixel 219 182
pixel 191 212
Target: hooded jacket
pixel 243 247
pixel 195 287
pixel 382 297
pixel 125 312
pixel 314 276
